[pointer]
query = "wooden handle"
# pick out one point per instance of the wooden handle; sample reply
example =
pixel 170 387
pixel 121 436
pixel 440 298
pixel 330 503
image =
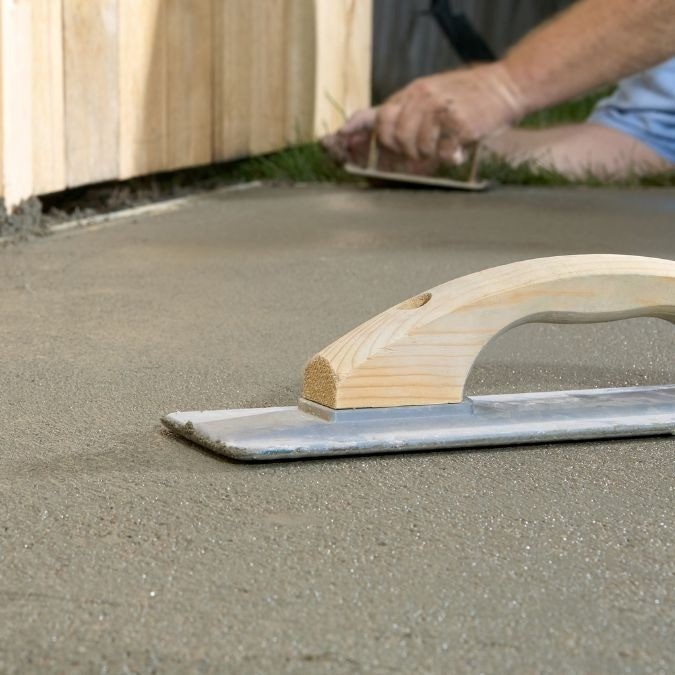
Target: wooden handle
pixel 421 351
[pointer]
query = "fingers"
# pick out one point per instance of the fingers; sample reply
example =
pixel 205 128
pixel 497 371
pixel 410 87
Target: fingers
pixel 386 121
pixel 362 120
pixel 335 147
pixel 428 135
pixel 415 134
pixel 450 150
pixel 408 127
pixel 398 128
pixel 358 146
pixel 413 124
pixel 408 124
pixel 348 142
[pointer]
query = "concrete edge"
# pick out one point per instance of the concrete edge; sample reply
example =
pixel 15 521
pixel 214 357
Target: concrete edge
pixel 168 205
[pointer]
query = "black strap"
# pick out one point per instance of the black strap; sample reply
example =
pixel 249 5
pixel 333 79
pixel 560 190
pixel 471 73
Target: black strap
pixel 464 38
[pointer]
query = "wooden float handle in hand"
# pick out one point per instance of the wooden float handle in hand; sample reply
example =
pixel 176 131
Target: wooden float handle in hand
pixel 421 351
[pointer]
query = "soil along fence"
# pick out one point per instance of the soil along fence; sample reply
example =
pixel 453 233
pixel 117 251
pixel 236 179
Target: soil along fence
pixel 94 90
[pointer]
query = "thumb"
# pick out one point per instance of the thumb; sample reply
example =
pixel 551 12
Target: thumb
pixel 363 120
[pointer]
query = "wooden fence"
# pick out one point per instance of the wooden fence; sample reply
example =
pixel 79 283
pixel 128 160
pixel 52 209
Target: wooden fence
pixel 93 90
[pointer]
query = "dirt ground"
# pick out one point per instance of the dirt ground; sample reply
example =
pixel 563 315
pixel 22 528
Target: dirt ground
pixel 126 550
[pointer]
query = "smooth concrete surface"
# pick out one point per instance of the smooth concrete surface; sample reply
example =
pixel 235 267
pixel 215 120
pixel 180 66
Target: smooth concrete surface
pixel 126 550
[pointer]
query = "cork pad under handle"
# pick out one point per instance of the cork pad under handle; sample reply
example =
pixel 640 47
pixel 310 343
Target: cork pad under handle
pixel 421 351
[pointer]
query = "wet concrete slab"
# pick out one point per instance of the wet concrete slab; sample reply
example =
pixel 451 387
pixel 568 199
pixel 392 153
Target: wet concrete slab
pixel 124 549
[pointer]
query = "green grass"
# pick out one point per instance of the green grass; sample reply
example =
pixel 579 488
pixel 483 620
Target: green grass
pixel 308 163
pixel 569 112
pixel 499 171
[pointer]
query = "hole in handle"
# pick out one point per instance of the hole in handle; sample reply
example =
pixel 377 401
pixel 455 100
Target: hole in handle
pixel 413 303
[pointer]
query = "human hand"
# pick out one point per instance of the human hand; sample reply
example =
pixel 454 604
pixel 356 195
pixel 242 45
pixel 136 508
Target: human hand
pixel 352 144
pixel 437 117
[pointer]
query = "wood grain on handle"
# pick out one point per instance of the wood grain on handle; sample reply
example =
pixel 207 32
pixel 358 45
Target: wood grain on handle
pixel 421 351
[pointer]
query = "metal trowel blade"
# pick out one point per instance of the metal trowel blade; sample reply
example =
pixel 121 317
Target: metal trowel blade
pixel 312 430
pixel 415 180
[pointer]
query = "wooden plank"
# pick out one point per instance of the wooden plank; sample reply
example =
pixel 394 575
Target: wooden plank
pixel 330 36
pixel 300 70
pixel 91 90
pixel 48 122
pixel 142 87
pixel 268 78
pixel 250 76
pixel 232 96
pixel 15 43
pixel 358 49
pixel 189 92
pixel 343 61
pixel 165 85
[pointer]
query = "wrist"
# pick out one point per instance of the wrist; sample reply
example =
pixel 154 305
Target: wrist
pixel 500 83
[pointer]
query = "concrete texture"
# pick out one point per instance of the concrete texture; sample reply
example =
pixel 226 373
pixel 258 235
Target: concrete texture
pixel 123 549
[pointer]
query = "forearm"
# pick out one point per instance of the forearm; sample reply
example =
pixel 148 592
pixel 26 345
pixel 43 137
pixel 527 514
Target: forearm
pixel 592 43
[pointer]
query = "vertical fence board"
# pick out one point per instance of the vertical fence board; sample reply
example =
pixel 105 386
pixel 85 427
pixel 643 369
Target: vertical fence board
pixel 358 21
pixel 233 48
pixel 300 49
pixel 48 123
pixel 268 81
pixel 142 87
pixel 330 65
pixel 91 90
pixel 189 82
pixel 343 29
pixel 15 43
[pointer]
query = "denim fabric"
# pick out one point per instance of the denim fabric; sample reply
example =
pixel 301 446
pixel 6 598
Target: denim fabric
pixel 644 107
